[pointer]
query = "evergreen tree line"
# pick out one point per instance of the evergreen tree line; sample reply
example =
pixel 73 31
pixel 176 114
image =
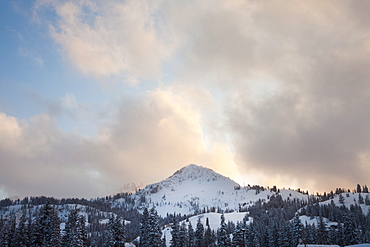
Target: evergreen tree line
pixel 45 231
pixel 270 228
pixel 272 223
pixel 102 203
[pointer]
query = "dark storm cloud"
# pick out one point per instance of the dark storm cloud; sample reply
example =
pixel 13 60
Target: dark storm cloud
pixel 293 80
pixel 316 124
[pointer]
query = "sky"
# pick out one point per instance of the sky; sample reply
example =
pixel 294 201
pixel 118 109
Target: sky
pixel 98 94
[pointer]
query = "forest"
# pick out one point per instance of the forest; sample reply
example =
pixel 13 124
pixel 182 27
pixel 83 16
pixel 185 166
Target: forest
pixel 46 221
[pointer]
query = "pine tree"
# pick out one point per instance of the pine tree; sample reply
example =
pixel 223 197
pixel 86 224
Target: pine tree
pixel 109 235
pixel 154 234
pixel 322 231
pixel 82 232
pixel 340 235
pixel 238 236
pixel 272 234
pixel 46 230
pixel 191 236
pixel 297 230
pixel 20 238
pixel 115 232
pixel 199 234
pixel 341 199
pixel 359 188
pixel 208 234
pixel 360 199
pixel 75 232
pixel 6 233
pixel 284 234
pixel 365 189
pixel 37 235
pixel 332 236
pixel 175 240
pixel 119 232
pixel 367 200
pixel 349 229
pixel 144 229
pixel 182 235
pixel 223 239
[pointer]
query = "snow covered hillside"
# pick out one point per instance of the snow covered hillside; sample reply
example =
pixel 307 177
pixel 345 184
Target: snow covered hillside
pixel 63 210
pixel 195 189
pixel 350 198
pixel 214 220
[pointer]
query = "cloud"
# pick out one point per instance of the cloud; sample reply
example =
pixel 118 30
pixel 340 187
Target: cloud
pixel 149 138
pixel 280 92
pixel 292 82
pixel 312 126
pixel 110 39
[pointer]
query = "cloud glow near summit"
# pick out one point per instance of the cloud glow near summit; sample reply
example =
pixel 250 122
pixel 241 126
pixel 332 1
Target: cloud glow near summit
pixel 94 95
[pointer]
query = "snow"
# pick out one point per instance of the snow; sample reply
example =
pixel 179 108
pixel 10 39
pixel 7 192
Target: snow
pixel 214 220
pixel 349 199
pixel 129 245
pixel 194 188
pixel 314 221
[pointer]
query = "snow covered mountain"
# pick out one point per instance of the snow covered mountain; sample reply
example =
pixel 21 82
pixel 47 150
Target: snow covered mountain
pixel 197 192
pixel 194 189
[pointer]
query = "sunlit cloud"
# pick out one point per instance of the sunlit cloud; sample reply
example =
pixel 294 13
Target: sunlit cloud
pixel 250 89
pixel 159 131
pixel 112 38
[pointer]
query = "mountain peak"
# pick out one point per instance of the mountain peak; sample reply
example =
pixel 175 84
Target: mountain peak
pixel 193 188
pixel 194 172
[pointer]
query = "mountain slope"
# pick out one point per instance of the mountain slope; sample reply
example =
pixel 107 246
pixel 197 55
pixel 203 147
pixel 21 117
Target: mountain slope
pixel 194 188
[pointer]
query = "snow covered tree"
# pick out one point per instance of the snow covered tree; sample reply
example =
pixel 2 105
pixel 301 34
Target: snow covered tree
pixel 183 235
pixel 115 232
pixel 341 199
pixel 311 237
pixel 284 234
pixel 272 234
pixel 36 233
pixel 297 230
pixel 154 234
pixel 75 230
pixel 238 236
pixel 191 236
pixel 6 233
pixel 208 234
pixel 360 199
pixel 144 229
pixel 46 228
pixel 322 231
pixel 223 239
pixel 175 240
pixel 199 234
pixel 367 200
pixel 349 229
pixel 21 235
pixel 365 189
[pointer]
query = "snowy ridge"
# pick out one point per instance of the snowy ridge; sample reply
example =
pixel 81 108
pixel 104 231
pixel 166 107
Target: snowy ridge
pixel 194 188
pixel 196 173
pixel 62 210
pixel 350 198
